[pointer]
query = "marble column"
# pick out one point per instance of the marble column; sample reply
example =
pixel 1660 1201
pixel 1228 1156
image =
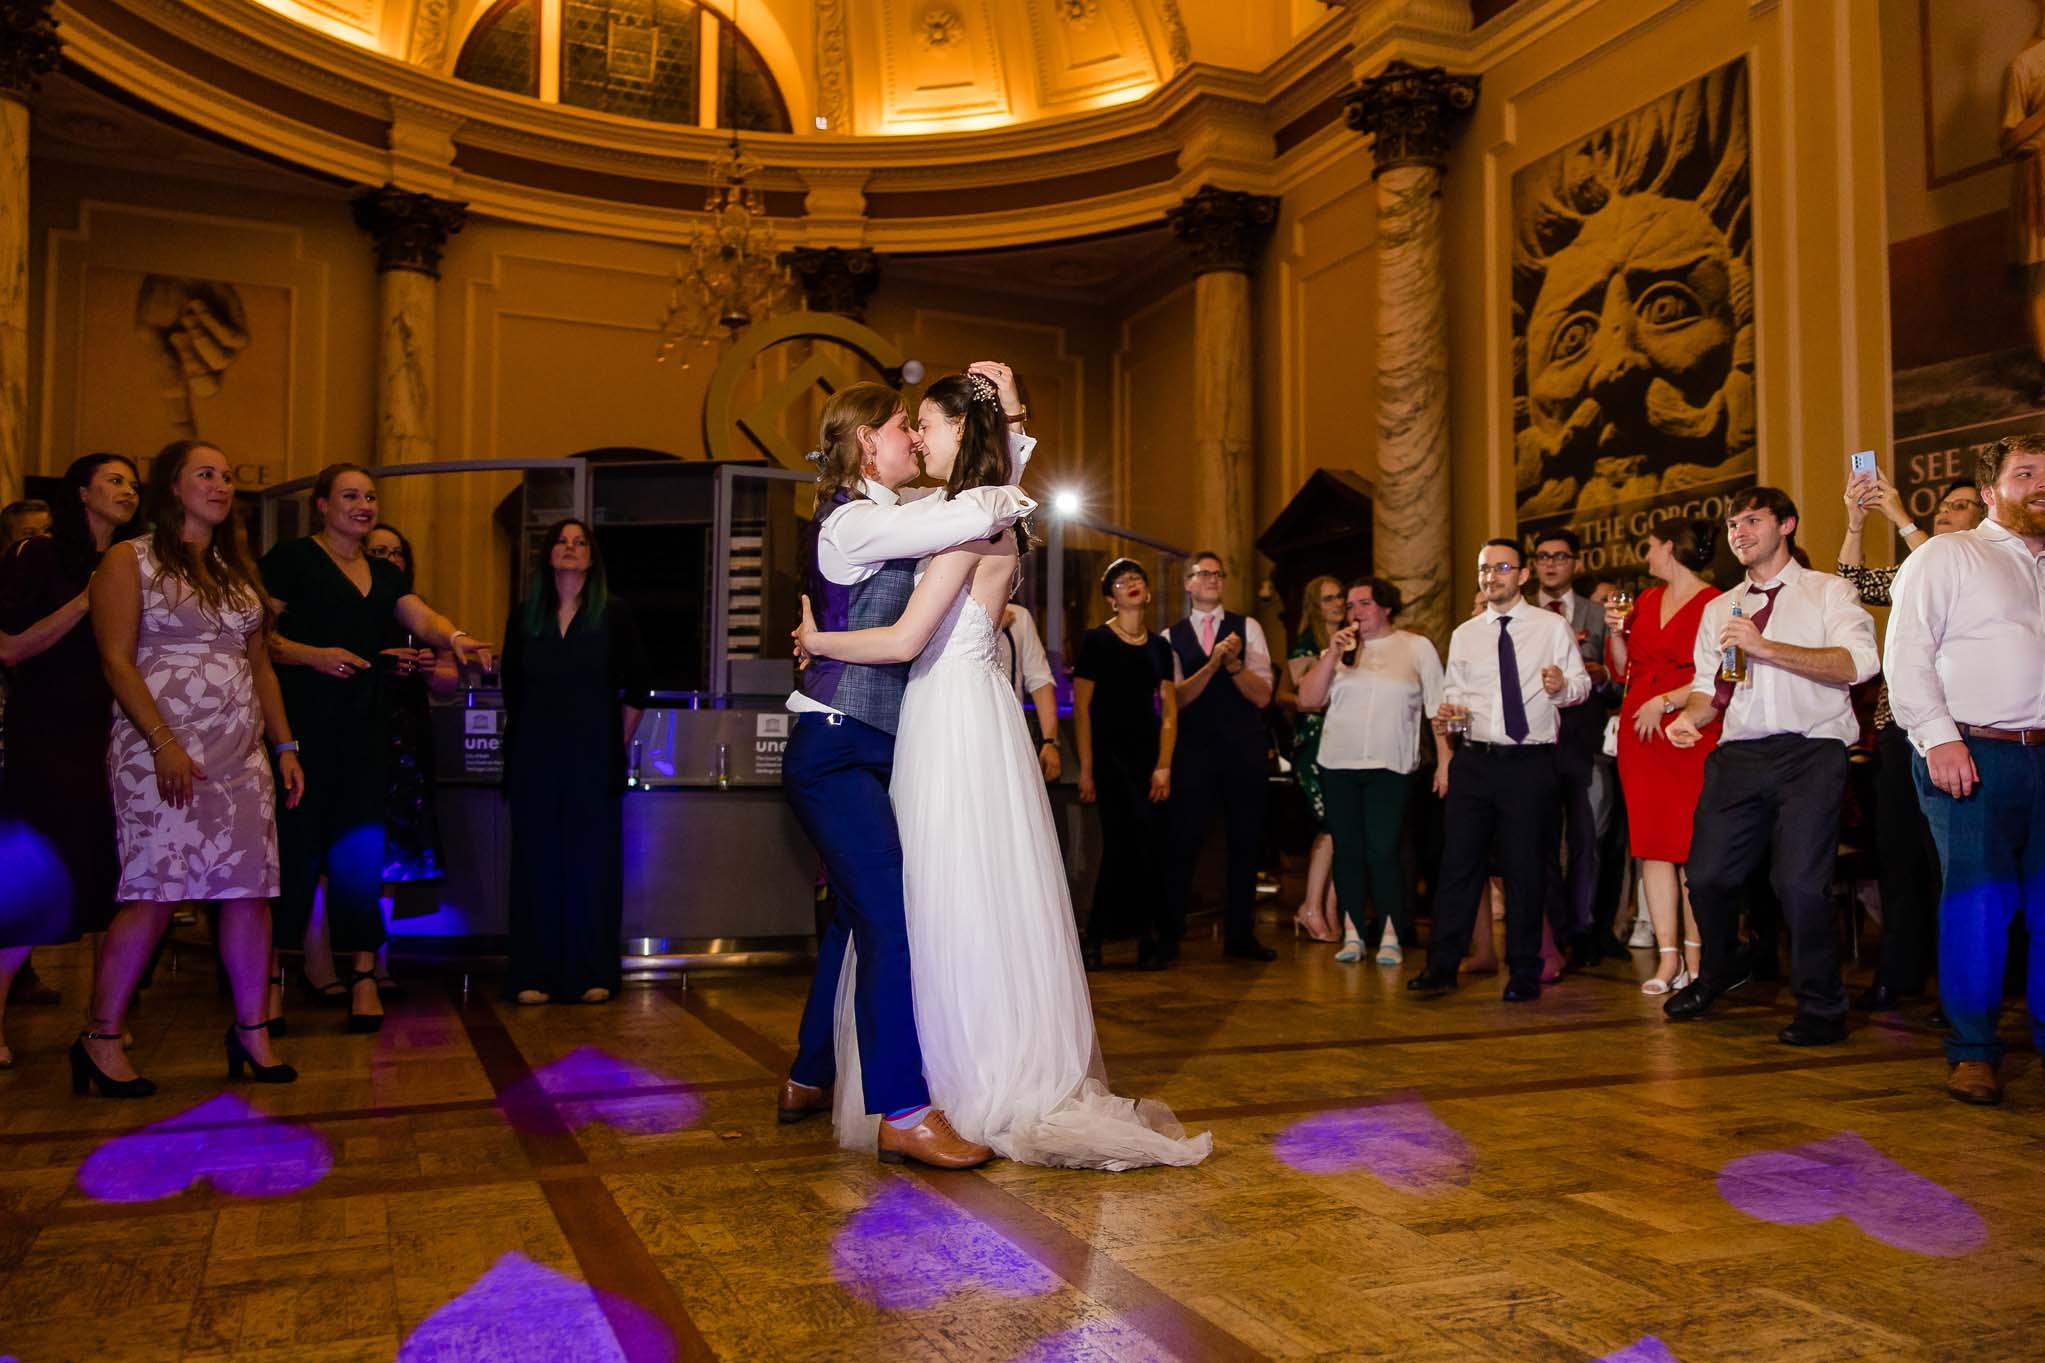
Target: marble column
pixel 1225 230
pixel 28 47
pixel 834 279
pixel 1411 113
pixel 409 230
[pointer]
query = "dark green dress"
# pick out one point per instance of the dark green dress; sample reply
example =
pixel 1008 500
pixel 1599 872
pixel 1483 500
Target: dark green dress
pixel 1306 737
pixel 564 769
pixel 340 724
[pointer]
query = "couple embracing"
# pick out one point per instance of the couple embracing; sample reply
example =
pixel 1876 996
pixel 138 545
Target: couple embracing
pixel 949 1019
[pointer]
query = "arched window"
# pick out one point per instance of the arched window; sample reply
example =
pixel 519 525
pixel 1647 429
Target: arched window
pixel 668 61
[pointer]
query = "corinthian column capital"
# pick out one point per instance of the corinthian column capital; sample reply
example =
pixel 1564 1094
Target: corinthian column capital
pixel 29 45
pixel 834 279
pixel 410 230
pixel 1225 228
pixel 1411 113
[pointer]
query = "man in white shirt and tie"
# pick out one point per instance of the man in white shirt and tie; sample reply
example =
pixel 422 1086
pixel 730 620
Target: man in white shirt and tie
pixel 1222 668
pixel 1966 668
pixel 1512 669
pixel 1778 775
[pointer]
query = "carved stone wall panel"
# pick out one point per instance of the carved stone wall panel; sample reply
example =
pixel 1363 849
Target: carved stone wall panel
pixel 1087 51
pixel 940 64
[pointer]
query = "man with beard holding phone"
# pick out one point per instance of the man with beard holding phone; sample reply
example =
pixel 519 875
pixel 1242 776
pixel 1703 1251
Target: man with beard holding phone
pixel 1966 667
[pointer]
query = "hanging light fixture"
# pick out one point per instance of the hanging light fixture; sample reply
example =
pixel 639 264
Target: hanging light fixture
pixel 730 275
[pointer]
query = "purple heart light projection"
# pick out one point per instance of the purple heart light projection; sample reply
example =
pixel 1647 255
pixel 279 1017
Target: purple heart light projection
pixel 908 1248
pixel 1845 1176
pixel 1403 1143
pixel 605 1092
pixel 1646 1349
pixel 523 1312
pixel 224 1141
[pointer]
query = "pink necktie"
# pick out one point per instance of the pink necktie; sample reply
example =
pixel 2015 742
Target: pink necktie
pixel 1207 635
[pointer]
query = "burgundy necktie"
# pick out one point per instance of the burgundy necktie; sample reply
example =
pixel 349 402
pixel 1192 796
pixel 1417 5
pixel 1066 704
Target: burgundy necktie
pixel 1722 694
pixel 1558 608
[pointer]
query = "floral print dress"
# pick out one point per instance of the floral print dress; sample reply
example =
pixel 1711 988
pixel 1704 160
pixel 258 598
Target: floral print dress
pixel 223 845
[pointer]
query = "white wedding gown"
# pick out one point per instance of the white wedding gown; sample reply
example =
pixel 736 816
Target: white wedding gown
pixel 1001 1001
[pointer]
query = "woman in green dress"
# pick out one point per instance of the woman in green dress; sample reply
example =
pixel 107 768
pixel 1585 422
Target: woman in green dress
pixel 575 676
pixel 335 607
pixel 1320 615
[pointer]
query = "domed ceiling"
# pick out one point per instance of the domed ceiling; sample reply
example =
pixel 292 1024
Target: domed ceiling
pixel 863 67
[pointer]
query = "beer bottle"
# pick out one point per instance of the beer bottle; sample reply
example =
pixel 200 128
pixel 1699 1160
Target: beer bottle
pixel 1732 665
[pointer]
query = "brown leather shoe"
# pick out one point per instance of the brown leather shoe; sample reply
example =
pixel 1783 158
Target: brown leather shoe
pixel 799 1101
pixel 1974 1081
pixel 933 1142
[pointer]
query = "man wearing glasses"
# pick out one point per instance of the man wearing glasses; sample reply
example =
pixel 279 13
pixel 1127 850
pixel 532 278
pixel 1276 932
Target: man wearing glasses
pixel 1589 778
pixel 1512 669
pixel 1222 668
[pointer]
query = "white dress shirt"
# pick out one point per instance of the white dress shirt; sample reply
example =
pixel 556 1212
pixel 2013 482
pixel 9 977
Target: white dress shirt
pixel 1967 636
pixel 1256 653
pixel 1813 610
pixel 1540 638
pixel 1019 653
pixel 861 537
pixel 1376 709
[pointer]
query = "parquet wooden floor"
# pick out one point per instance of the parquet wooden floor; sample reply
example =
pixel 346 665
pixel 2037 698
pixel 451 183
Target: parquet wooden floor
pixel 1452 1180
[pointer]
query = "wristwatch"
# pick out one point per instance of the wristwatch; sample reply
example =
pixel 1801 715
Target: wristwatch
pixel 1047 742
pixel 1021 415
pixel 290 745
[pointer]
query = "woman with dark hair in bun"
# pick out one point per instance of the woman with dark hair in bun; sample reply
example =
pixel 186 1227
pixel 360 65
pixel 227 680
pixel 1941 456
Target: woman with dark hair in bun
pixel 1651 647
pixel 1125 718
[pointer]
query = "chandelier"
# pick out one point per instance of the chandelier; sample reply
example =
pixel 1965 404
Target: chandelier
pixel 730 274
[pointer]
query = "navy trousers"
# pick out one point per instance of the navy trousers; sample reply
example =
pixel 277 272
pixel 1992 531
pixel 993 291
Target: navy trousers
pixel 1992 848
pixel 836 778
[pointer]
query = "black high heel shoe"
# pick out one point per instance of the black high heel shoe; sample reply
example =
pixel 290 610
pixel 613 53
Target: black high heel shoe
pixel 238 1056
pixel 332 994
pixel 86 1076
pixel 361 1023
pixel 279 1025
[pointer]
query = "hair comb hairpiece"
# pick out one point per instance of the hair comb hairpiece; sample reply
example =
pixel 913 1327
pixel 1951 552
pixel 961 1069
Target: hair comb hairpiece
pixel 815 457
pixel 983 388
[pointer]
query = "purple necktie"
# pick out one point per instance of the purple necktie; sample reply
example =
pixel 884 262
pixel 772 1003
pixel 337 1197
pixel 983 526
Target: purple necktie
pixel 1509 683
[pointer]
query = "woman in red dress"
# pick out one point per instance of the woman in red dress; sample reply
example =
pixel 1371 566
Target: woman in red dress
pixel 1652 648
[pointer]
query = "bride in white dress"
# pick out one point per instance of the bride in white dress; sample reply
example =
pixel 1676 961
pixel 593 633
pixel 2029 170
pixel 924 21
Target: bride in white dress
pixel 1002 1008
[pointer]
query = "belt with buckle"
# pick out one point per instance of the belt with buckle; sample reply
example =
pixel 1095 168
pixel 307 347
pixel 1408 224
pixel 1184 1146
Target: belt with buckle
pixel 1479 745
pixel 2030 738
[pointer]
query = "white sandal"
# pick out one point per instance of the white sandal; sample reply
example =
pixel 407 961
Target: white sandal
pixel 1655 984
pixel 1683 975
pixel 1352 951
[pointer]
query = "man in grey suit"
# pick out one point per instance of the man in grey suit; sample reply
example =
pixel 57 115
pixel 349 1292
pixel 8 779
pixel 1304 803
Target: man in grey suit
pixel 1589 791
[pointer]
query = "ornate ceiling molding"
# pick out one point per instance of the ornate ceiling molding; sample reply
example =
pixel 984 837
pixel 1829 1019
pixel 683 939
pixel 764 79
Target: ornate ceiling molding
pixel 253 78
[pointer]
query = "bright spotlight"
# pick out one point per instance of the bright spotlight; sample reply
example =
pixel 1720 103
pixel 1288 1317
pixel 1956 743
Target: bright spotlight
pixel 1065 503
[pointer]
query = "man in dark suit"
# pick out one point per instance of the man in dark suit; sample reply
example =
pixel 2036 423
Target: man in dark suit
pixel 1588 793
pixel 1222 667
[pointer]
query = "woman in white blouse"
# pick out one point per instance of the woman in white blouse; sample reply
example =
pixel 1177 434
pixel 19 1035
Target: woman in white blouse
pixel 1377 685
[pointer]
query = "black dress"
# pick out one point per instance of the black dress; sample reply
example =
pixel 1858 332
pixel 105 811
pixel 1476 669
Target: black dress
pixel 411 824
pixel 56 811
pixel 564 769
pixel 341 725
pixel 1129 893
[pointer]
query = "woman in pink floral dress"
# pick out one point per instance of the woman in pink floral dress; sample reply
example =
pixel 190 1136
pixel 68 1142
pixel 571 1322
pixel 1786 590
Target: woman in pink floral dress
pixel 180 615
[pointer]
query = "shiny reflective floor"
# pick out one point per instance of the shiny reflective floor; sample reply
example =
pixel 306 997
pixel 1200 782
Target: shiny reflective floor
pixel 1460 1179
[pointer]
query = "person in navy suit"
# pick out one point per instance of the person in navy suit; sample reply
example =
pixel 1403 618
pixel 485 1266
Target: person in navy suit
pixel 1222 669
pixel 861 549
